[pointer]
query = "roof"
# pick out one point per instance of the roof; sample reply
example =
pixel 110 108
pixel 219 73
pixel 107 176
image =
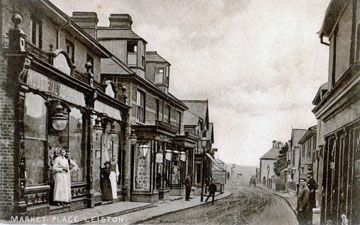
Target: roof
pixel 331 15
pixel 210 133
pixel 117 33
pixel 319 94
pixel 190 118
pixel 60 17
pixel 113 65
pixel 296 135
pixel 198 108
pixel 309 133
pixel 273 153
pixel 153 56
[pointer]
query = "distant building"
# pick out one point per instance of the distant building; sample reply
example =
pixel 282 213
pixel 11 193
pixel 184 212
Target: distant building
pixel 294 157
pixel 308 150
pixel 267 163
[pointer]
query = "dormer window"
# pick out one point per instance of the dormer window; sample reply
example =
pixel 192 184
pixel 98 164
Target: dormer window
pixel 159 76
pixel 132 49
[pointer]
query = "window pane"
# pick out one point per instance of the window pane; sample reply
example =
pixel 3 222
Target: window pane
pixel 75 138
pixel 35 158
pixel 35 138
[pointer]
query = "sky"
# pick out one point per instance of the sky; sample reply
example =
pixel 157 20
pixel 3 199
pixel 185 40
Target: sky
pixel 258 62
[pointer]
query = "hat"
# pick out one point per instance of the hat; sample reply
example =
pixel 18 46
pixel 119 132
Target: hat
pixel 302 179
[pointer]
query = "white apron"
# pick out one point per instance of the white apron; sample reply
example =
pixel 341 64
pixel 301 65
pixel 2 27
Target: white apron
pixel 62 190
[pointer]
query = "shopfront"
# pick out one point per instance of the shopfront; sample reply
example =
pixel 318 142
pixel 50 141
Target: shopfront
pixel 57 114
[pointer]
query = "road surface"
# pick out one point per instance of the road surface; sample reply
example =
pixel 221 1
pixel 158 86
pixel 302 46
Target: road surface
pixel 248 205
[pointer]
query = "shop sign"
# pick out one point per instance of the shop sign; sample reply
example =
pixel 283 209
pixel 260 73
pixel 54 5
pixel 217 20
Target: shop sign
pixel 159 157
pixel 108 110
pixel 40 82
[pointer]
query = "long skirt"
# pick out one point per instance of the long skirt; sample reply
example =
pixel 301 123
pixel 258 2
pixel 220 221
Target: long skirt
pixel 113 184
pixel 62 190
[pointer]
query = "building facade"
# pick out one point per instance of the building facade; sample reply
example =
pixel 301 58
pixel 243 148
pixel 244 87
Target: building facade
pixel 294 154
pixel 52 98
pixel 338 114
pixel 267 162
pixel 158 159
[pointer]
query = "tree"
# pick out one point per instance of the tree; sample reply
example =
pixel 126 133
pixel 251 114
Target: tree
pixel 282 162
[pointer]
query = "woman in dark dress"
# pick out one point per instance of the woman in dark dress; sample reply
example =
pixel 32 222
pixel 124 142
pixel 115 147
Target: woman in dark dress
pixel 105 182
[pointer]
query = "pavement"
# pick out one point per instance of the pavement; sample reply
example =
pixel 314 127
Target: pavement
pixel 291 199
pixel 120 212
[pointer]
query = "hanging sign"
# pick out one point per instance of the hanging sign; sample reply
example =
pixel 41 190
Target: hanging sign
pixel 108 110
pixel 159 157
pixel 183 157
pixel 168 155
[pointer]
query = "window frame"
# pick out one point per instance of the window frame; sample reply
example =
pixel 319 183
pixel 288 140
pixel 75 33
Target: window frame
pixel 72 53
pixel 139 107
pixel 36 32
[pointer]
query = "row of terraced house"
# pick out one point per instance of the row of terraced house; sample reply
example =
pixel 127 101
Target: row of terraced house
pixel 329 150
pixel 96 91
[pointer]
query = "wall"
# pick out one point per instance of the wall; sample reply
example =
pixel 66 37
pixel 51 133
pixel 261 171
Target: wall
pixel 7 127
pixel 343 43
pixel 348 115
pixel 264 164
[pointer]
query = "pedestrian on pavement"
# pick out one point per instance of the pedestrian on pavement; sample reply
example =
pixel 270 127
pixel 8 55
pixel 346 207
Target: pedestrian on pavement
pixel 105 182
pixel 62 193
pixel 313 186
pixel 304 211
pixel 187 188
pixel 212 190
pixel 114 176
pixel 72 167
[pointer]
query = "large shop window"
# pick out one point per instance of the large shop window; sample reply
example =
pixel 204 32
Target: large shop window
pixel 35 139
pixel 75 138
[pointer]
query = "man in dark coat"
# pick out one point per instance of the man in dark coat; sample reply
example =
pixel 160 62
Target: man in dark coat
pixel 187 188
pixel 313 186
pixel 212 190
pixel 304 211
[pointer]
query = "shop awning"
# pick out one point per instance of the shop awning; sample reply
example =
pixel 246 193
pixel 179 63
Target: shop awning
pixel 214 161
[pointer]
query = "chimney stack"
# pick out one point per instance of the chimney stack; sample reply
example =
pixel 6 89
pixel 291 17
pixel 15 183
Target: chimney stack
pixel 123 21
pixel 87 21
pixel 274 143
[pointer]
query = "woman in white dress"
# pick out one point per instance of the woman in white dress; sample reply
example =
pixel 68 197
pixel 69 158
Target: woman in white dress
pixel 114 174
pixel 62 193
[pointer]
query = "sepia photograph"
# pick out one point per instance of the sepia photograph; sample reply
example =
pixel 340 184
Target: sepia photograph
pixel 180 112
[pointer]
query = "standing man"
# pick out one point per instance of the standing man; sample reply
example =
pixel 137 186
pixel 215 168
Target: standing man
pixel 72 167
pixel 187 188
pixel 304 211
pixel 313 186
pixel 212 190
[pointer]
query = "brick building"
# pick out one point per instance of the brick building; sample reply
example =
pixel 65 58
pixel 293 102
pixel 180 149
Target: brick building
pixel 52 97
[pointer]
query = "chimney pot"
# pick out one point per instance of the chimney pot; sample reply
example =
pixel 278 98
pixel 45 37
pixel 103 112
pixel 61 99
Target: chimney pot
pixel 123 21
pixel 87 21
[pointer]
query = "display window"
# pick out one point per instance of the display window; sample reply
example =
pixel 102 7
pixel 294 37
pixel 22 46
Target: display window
pixel 75 139
pixel 35 120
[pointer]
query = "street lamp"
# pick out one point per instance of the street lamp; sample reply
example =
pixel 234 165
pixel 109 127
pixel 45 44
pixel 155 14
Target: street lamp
pixel 268 169
pixel 203 144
